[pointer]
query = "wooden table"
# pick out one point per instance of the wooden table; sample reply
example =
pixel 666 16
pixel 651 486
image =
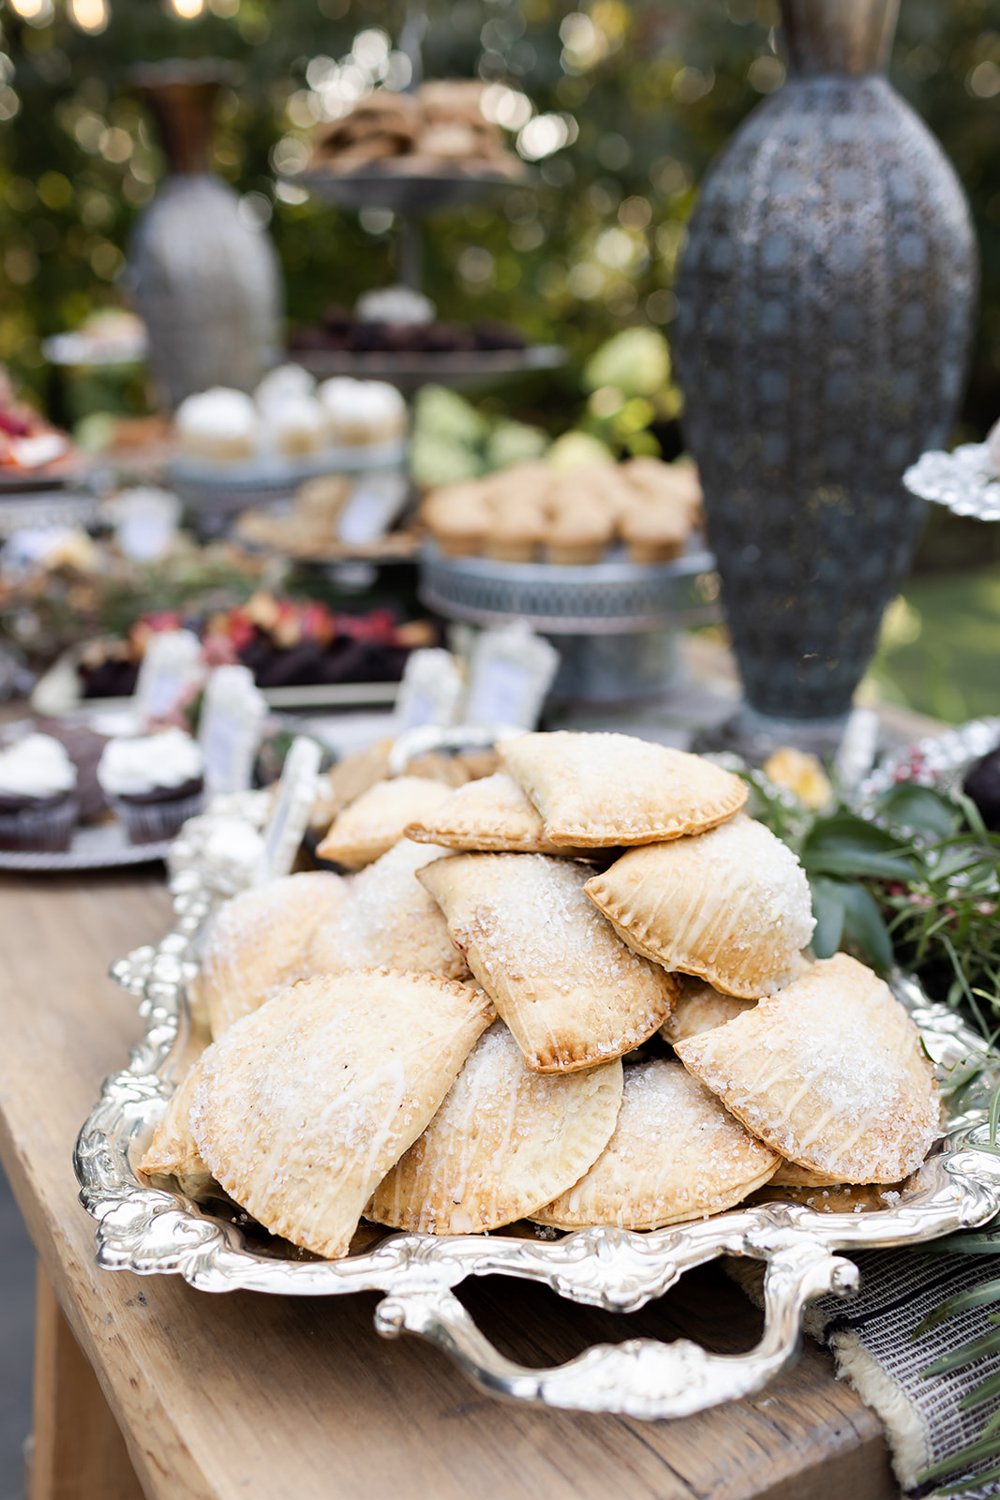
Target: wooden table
pixel 298 1399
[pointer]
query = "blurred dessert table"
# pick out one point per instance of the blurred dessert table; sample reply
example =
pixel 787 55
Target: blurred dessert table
pixel 218 1397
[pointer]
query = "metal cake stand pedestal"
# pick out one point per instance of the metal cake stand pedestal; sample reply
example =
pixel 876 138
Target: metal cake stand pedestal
pixel 615 624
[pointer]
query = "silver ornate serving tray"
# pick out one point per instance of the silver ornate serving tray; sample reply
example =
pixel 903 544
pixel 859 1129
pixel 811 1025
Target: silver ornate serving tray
pixel 152 1231
pixel 964 482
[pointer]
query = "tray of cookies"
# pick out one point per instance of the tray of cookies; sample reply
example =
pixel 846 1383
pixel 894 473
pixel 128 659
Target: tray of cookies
pixel 545 1011
pixel 414 153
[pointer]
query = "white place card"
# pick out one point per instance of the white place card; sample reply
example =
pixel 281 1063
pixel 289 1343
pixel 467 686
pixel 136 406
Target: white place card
pixel 232 720
pixel 293 803
pixel 510 673
pixel 375 502
pixel 145 521
pixel 171 668
pixel 429 693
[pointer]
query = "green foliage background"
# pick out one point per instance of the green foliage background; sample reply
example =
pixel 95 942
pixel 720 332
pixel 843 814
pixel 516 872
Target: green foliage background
pixel 654 89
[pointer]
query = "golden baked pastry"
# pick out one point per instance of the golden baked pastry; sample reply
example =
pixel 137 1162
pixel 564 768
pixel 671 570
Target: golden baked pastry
pixel 258 942
pixel 353 775
pixel 388 919
pixel 790 1174
pixel 654 532
pixel 300 1111
pixel 515 533
pixel 578 538
pixel 491 814
pixel 699 1007
pixel 731 906
pixel 504 1142
pixel 478 763
pixel 676 1154
pixel 570 991
pixel 829 1072
pixel 172 1151
pixel 458 520
pixel 600 790
pixel 376 820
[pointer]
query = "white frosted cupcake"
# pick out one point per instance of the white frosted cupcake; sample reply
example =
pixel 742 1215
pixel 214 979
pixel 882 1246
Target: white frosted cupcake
pixel 218 425
pixel 363 411
pixel 283 383
pixel 38 807
pixel 399 305
pixel 297 426
pixel 154 782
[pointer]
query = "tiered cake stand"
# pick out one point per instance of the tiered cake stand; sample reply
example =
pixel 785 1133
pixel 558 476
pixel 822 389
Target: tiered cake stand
pixel 615 623
pixel 411 197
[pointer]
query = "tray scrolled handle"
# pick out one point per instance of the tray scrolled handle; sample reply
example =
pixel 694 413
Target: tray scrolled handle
pixel 641 1377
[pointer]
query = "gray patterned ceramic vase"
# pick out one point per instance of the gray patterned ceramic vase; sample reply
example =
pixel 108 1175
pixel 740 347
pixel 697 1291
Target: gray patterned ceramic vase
pixel 825 303
pixel 204 277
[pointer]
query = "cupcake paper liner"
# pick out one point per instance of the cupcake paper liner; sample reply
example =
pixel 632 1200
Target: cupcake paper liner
pixel 152 822
pixel 39 828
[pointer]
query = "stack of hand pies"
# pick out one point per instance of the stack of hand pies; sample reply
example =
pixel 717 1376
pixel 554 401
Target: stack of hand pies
pixel 572 990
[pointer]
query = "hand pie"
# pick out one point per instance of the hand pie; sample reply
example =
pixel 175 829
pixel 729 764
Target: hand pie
pixel 172 1151
pixel 676 1154
pixel 372 824
pixel 829 1072
pixel 571 993
pixel 301 1109
pixel 351 777
pixel 699 1008
pixel 490 814
pixel 388 920
pixel 257 944
pixel 732 906
pixel 599 790
pixel 504 1142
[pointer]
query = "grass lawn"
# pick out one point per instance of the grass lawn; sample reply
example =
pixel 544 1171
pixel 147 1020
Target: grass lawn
pixel 940 651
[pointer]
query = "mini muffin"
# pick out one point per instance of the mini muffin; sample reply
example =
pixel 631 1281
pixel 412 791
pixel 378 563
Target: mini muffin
pixel 515 533
pixel 654 532
pixel 219 425
pixel 154 782
pixel 363 411
pixel 457 518
pixel 38 807
pixel 579 536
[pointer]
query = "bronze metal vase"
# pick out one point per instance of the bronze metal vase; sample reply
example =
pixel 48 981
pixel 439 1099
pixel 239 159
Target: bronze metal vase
pixel 203 275
pixel 826 296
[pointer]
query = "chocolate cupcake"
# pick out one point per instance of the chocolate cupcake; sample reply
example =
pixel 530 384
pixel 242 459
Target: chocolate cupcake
pixel 38 808
pixel 153 782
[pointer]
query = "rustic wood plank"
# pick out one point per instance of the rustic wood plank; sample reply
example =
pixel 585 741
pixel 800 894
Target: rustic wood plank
pixel 78 1452
pixel 220 1397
